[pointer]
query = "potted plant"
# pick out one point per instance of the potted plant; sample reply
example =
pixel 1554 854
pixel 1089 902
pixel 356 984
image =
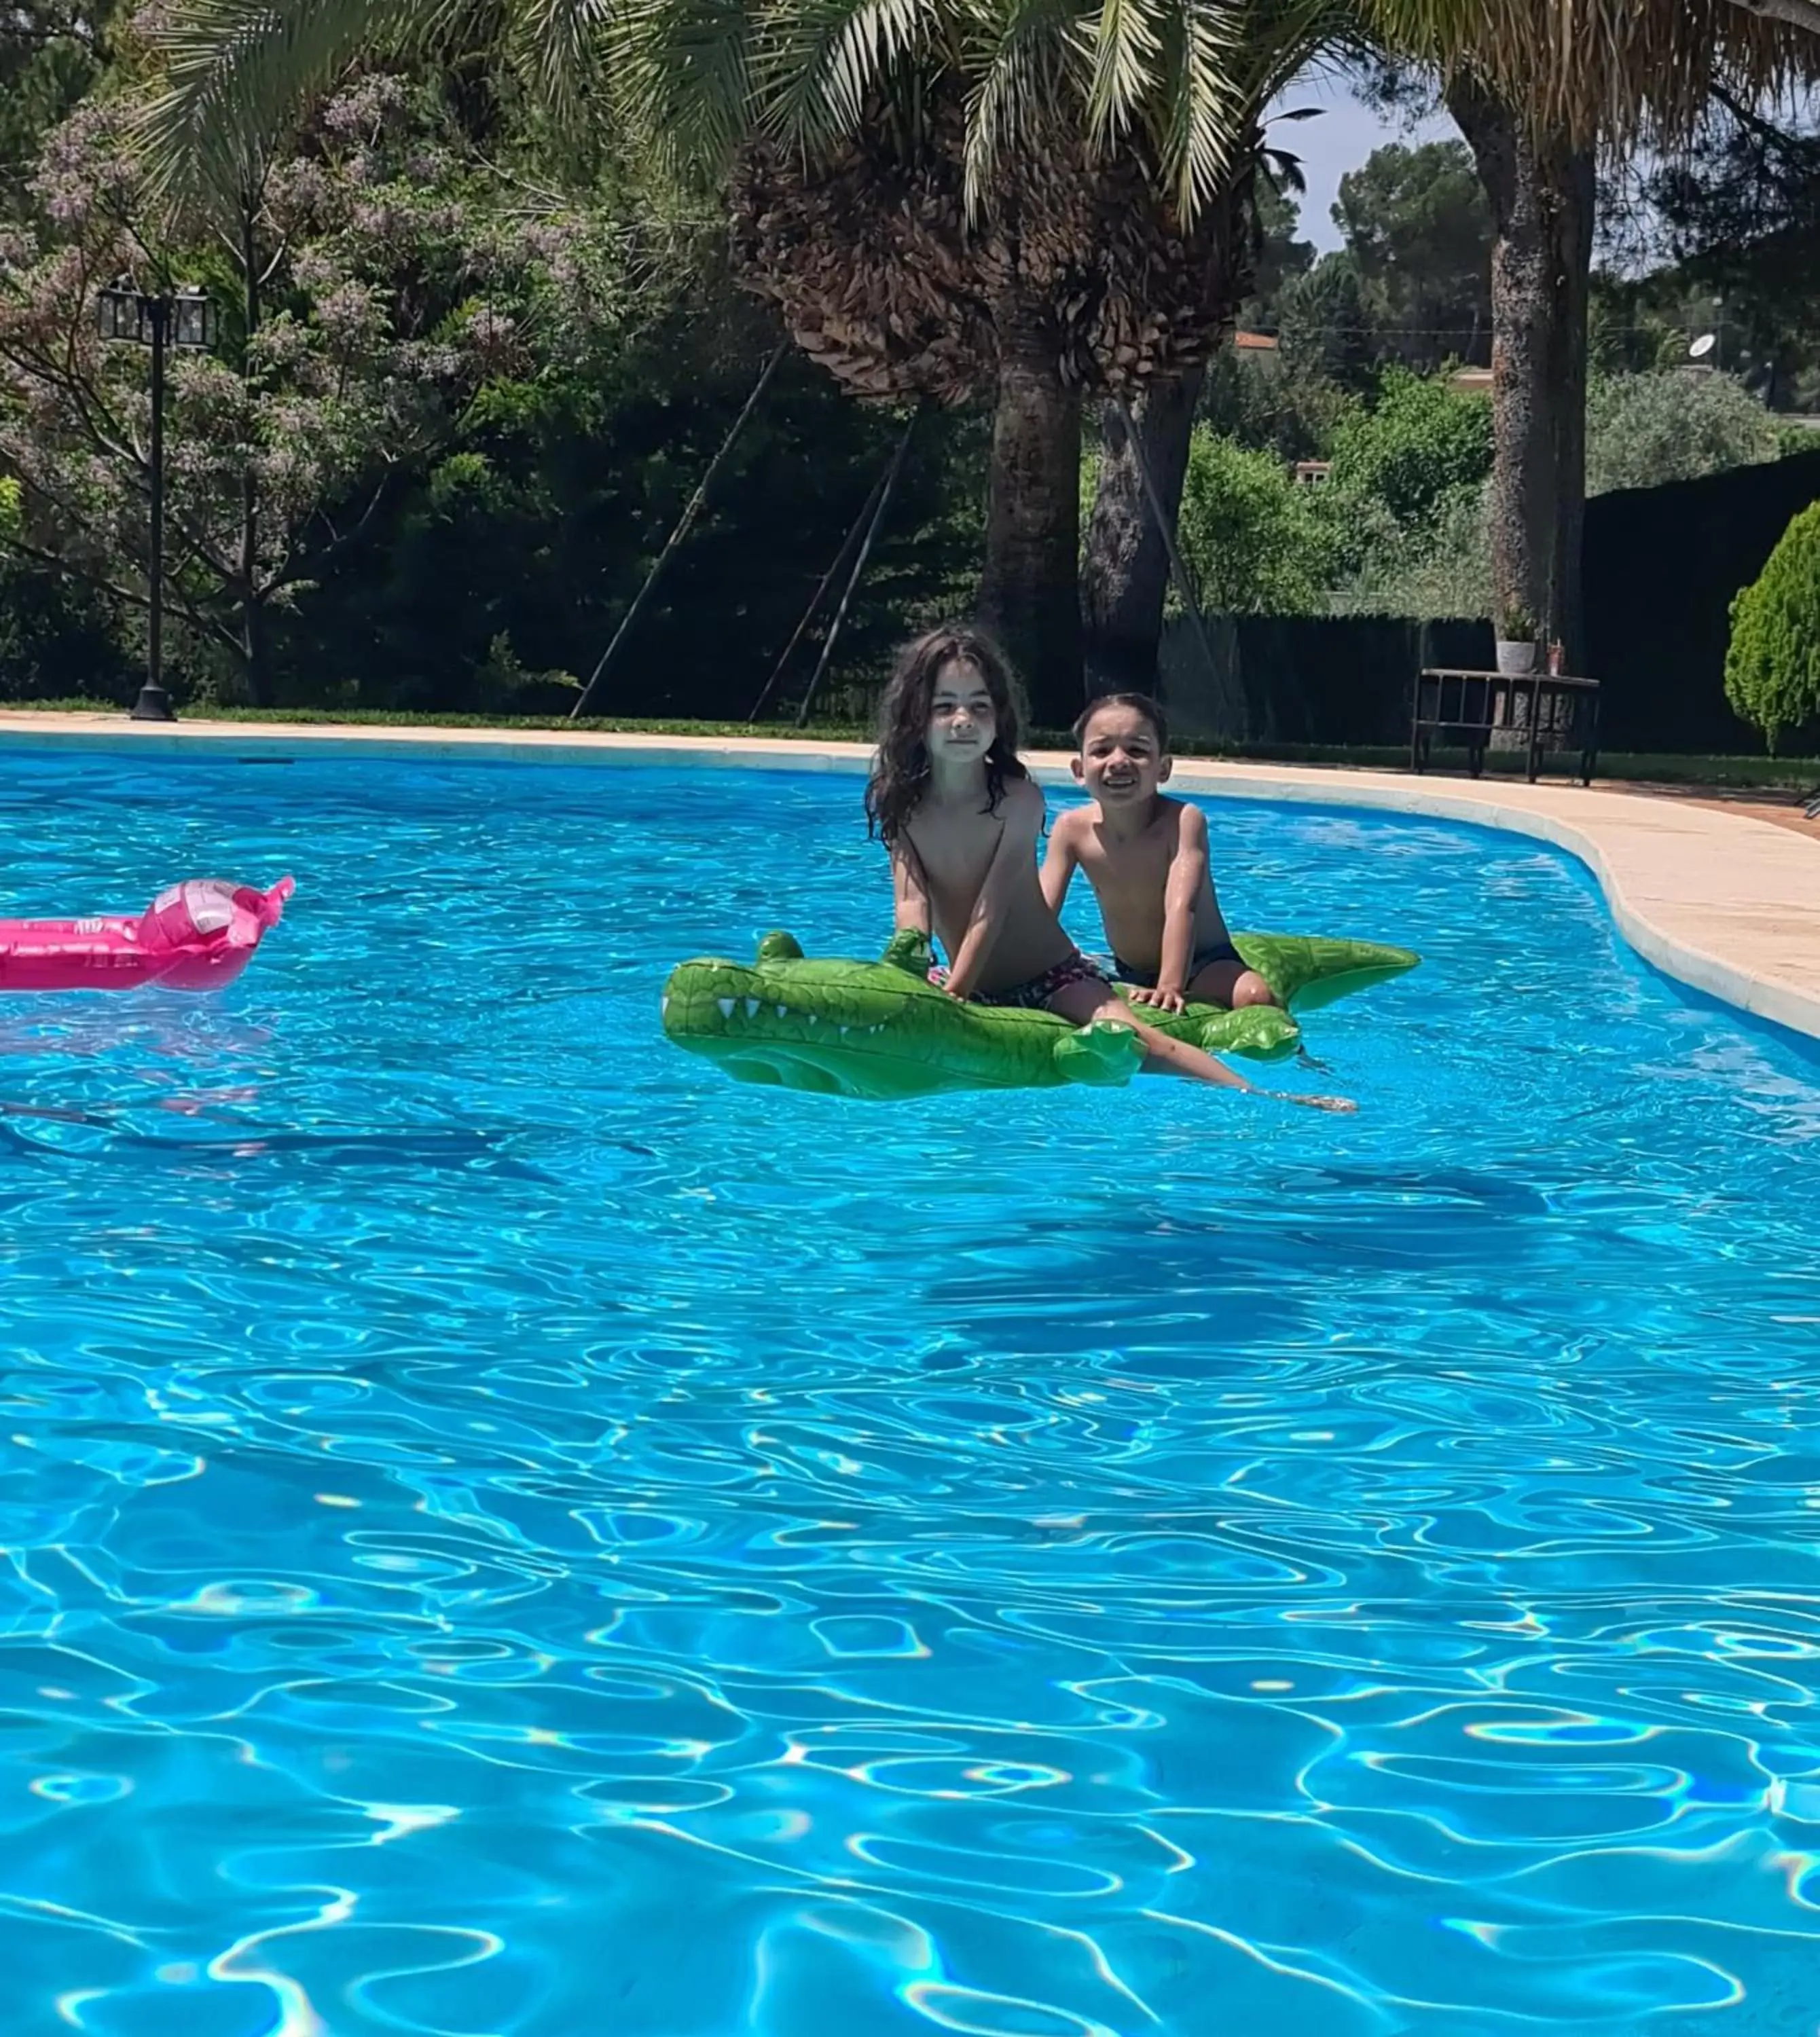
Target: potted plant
pixel 1516 641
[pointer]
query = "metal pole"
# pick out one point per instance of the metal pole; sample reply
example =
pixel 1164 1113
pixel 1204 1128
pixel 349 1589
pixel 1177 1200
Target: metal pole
pixel 153 703
pixel 684 524
pixel 853 578
pixel 820 594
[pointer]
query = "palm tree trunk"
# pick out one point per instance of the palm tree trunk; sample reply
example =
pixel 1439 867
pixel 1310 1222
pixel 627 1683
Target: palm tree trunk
pixel 1542 190
pixel 1030 595
pixel 1125 576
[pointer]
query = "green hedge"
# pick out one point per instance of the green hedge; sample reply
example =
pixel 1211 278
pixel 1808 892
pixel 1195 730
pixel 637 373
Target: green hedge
pixel 1663 568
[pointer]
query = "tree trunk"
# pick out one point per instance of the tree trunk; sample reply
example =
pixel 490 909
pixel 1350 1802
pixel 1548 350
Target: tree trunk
pixel 1126 575
pixel 255 652
pixel 1030 595
pixel 1576 206
pixel 1542 190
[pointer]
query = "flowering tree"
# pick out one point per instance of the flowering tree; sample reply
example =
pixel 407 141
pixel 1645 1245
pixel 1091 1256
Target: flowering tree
pixel 373 279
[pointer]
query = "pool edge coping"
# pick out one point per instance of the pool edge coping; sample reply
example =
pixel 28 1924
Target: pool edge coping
pixel 1724 903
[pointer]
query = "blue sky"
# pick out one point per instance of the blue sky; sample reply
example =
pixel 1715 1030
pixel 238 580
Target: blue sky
pixel 1342 138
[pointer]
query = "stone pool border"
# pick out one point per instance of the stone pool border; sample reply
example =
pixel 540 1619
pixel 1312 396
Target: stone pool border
pixel 1727 904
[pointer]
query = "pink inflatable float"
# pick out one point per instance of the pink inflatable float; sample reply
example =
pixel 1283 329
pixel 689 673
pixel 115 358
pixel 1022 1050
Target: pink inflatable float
pixel 195 936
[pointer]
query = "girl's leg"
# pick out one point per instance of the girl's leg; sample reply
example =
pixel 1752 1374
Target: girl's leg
pixel 1080 1003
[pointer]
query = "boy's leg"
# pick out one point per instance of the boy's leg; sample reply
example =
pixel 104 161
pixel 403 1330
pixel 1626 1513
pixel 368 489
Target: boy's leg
pixel 1229 984
pixel 1080 1004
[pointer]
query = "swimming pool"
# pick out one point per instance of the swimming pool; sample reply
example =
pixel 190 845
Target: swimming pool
pixel 509 1532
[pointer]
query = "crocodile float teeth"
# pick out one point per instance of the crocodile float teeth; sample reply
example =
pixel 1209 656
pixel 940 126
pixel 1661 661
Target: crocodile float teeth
pixel 726 1005
pixel 783 1010
pixel 752 1007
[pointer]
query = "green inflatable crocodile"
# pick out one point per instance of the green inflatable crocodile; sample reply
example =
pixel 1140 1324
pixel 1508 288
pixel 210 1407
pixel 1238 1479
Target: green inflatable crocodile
pixel 881 1029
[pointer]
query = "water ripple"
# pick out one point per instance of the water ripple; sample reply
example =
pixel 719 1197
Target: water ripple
pixel 506 1534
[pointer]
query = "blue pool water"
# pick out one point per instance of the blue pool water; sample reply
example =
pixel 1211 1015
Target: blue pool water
pixel 508 1533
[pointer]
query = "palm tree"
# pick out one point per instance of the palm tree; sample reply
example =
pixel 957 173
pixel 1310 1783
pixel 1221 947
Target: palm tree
pixel 1537 87
pixel 1030 198
pixel 1080 271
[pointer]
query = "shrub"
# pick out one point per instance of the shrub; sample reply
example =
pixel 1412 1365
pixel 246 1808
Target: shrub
pixel 1253 539
pixel 1642 430
pixel 1773 670
pixel 1423 441
pixel 1439 570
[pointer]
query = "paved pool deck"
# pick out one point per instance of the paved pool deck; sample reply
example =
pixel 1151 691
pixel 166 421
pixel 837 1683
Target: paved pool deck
pixel 1724 901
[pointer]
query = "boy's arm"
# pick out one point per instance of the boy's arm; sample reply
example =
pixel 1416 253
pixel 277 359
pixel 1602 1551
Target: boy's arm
pixel 1059 864
pixel 1015 852
pixel 1182 893
pixel 910 895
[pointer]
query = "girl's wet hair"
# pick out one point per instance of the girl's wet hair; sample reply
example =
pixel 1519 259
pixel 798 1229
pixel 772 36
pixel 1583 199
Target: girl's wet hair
pixel 1139 703
pixel 900 773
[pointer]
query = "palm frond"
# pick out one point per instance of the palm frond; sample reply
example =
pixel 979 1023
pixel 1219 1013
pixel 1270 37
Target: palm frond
pixel 821 61
pixel 1222 63
pixel 236 71
pixel 1127 45
pixel 1206 116
pixel 681 73
pixel 1803 14
pixel 1621 69
pixel 1283 170
pixel 554 45
pixel 1284 40
pixel 1022 57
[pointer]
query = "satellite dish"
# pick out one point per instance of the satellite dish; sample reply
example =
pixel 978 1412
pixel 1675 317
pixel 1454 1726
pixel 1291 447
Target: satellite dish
pixel 1703 345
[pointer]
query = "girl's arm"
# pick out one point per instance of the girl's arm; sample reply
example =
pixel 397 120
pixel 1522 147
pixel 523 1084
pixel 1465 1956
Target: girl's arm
pixel 1058 865
pixel 1187 874
pixel 1016 851
pixel 910 895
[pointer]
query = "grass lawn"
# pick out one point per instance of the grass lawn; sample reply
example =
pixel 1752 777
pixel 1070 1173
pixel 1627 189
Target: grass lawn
pixel 1768 773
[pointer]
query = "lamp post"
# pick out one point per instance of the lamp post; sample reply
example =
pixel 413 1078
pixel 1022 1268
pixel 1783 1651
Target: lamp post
pixel 157 320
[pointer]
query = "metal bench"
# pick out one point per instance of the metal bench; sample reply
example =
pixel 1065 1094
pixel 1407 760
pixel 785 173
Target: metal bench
pixel 1541 712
